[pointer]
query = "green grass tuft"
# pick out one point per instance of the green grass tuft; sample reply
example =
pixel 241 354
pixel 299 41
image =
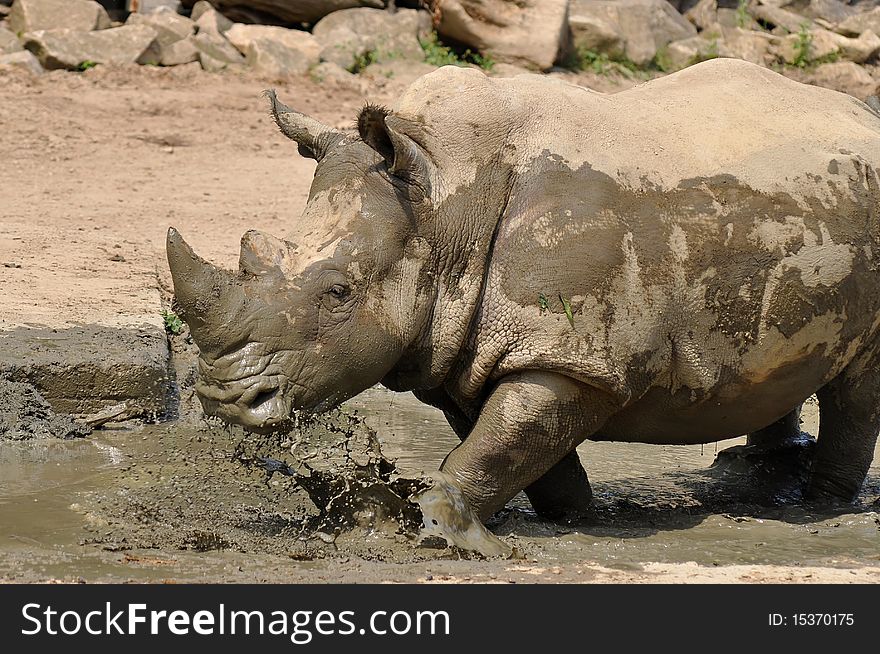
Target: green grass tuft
pixel 439 54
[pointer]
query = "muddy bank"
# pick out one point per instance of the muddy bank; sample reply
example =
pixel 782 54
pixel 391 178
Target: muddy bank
pixel 25 415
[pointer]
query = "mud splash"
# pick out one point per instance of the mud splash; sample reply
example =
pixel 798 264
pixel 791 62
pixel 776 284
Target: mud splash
pixel 26 415
pixel 338 462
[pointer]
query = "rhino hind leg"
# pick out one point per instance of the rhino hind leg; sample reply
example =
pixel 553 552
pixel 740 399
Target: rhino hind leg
pixel 563 492
pixel 784 430
pixel 849 422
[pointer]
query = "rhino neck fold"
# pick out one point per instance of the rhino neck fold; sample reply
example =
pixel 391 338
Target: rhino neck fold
pixel 462 264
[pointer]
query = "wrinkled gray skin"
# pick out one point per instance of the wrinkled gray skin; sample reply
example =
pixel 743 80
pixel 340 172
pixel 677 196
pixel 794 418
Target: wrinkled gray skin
pixel 684 262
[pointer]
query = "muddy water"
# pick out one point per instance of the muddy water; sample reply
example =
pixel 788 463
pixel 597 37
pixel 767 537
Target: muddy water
pixel 167 502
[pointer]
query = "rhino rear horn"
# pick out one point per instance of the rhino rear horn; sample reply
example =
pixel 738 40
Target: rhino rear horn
pixel 313 137
pixel 263 253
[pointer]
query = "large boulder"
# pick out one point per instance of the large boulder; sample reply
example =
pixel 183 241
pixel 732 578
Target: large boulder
pixel 284 11
pixel 23 60
pixel 66 48
pixel 169 25
pixel 33 15
pixel 276 60
pixel 530 33
pixel 643 26
pixel 8 41
pixel 348 36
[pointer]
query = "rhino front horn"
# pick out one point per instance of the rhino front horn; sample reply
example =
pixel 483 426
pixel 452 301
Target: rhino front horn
pixel 197 284
pixel 313 137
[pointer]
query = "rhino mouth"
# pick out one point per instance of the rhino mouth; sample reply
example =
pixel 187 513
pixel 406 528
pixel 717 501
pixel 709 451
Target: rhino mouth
pixel 258 406
pixel 247 389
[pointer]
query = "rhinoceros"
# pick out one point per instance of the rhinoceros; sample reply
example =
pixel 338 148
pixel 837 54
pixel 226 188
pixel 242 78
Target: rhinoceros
pixel 682 262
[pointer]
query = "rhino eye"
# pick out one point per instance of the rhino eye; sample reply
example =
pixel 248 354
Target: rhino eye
pixel 338 290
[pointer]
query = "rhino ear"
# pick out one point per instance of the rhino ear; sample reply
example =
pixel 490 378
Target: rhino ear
pixel 385 133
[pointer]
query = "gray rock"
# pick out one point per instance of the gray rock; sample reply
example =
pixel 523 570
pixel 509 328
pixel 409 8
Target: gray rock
pixel 169 26
pixel 846 77
pixel 597 34
pixel 350 34
pixel 280 11
pixel 149 6
pixel 8 41
pixel 66 48
pixel 855 25
pixel 276 60
pixel 33 15
pixel 860 50
pixel 778 17
pixel 832 11
pixel 528 33
pixel 686 52
pixel 212 21
pixel 23 59
pixel 212 64
pixel 748 45
pixel 643 26
pixel 179 53
pixel 199 8
pixel 217 48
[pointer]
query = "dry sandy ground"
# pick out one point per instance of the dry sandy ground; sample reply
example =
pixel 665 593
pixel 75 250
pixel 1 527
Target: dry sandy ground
pixel 97 166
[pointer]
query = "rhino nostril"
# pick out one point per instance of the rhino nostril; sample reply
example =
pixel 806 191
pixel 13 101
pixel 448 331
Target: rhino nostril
pixel 263 396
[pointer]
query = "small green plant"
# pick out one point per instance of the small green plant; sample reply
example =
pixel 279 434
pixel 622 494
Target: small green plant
pixel 483 61
pixel 173 323
pixel 88 63
pixel 315 76
pixel 584 59
pixel 802 47
pixel 566 306
pixel 438 54
pixel 743 18
pixel 363 60
pixel 543 303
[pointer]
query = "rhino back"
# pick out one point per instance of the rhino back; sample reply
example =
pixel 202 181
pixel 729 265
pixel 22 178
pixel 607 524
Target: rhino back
pixel 712 234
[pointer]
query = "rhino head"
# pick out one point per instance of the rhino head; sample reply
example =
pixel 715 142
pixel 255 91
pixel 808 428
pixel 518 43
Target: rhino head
pixel 312 319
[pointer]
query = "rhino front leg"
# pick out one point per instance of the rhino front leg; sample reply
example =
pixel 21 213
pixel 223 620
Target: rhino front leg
pixel 530 422
pixel 561 493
